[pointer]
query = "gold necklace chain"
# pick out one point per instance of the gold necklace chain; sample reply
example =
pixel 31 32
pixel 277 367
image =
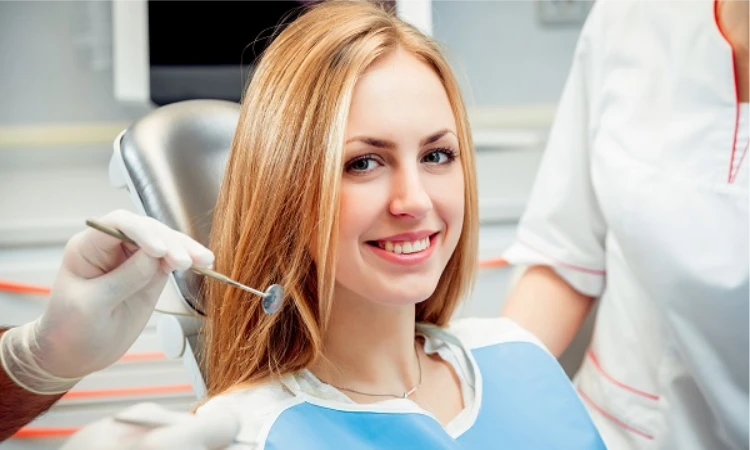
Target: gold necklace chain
pixel 405 395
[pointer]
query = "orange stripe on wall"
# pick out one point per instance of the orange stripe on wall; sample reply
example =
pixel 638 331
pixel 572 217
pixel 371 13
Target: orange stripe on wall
pixel 127 392
pixel 23 288
pixel 44 432
pixel 138 357
pixel 493 262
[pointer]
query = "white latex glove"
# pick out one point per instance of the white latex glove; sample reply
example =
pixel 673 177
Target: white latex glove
pixel 101 300
pixel 184 431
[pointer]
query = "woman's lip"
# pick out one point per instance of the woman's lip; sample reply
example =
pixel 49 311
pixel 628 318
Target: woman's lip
pixel 407 237
pixel 407 259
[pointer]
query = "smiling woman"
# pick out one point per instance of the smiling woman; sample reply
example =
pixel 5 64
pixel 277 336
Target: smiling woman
pixel 352 168
pixel 402 155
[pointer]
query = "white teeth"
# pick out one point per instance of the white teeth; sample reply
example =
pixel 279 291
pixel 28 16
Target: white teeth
pixel 405 247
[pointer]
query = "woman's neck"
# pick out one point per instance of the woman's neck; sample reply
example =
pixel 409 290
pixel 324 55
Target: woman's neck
pixel 369 347
pixel 733 21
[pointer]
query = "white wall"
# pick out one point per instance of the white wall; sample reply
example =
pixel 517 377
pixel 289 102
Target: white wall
pixel 56 60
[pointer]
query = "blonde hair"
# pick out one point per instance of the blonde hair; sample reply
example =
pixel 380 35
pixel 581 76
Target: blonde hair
pixel 279 196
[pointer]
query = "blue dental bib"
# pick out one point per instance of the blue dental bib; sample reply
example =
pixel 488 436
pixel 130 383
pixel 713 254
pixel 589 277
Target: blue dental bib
pixel 527 402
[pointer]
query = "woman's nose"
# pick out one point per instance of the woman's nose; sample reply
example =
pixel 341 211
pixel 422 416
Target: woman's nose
pixel 410 197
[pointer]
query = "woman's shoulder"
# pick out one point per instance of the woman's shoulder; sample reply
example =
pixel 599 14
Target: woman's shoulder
pixel 502 340
pixel 256 408
pixel 478 332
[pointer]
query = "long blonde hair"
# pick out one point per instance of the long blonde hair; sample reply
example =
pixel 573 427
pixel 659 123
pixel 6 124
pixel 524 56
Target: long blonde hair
pixel 279 195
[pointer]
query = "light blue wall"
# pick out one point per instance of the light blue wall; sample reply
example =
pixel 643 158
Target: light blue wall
pixel 510 57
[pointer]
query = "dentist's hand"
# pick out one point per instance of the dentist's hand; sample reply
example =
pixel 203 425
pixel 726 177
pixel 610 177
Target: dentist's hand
pixel 183 431
pixel 102 298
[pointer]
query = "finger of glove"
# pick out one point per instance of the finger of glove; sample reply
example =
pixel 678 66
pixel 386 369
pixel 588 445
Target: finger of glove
pixel 128 279
pixel 183 251
pixel 177 256
pixel 145 231
pixel 152 415
pixel 92 253
pixel 159 240
pixel 201 255
pixel 104 434
pixel 201 433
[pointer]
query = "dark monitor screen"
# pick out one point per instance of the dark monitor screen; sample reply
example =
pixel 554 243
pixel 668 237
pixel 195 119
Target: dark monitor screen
pixel 206 49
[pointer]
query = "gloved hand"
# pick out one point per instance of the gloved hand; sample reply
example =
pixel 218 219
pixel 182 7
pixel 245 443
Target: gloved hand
pixel 185 431
pixel 101 300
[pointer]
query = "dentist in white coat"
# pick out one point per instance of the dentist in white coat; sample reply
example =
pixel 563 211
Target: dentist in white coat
pixel 641 200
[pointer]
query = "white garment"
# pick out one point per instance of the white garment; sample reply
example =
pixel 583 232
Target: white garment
pixel 635 202
pixel 740 166
pixel 259 407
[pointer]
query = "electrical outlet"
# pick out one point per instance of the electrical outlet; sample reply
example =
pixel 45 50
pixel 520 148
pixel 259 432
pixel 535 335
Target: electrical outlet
pixel 563 12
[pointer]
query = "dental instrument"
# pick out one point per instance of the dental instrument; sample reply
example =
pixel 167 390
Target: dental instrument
pixel 273 297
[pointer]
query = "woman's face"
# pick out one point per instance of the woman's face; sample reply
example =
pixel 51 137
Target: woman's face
pixel 402 191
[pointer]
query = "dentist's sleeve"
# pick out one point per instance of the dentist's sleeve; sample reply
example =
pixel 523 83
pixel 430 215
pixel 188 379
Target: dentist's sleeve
pixel 562 225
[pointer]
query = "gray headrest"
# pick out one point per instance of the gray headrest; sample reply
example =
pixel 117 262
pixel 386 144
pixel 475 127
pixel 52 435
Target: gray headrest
pixel 175 157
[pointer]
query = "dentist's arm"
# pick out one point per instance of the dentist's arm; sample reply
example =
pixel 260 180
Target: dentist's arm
pixel 19 406
pixel 102 298
pixel 561 236
pixel 544 304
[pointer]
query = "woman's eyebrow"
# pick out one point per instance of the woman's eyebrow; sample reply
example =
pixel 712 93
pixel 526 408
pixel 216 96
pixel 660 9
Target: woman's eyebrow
pixel 435 136
pixel 389 145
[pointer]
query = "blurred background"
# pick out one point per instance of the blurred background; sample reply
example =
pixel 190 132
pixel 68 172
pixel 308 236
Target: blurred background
pixel 76 73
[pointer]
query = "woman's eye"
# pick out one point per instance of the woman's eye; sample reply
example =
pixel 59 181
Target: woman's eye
pixel 439 156
pixel 362 164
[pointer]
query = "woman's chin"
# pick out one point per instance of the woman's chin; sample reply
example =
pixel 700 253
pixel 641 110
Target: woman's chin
pixel 393 293
pixel 405 296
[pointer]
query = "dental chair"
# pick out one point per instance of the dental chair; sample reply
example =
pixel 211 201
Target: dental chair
pixel 171 162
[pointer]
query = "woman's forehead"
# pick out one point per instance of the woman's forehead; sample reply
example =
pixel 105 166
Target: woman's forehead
pixel 399 93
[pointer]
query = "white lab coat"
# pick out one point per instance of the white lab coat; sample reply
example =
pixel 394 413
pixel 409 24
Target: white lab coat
pixel 635 203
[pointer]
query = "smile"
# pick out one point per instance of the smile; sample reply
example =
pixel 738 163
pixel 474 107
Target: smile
pixel 405 252
pixel 405 247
